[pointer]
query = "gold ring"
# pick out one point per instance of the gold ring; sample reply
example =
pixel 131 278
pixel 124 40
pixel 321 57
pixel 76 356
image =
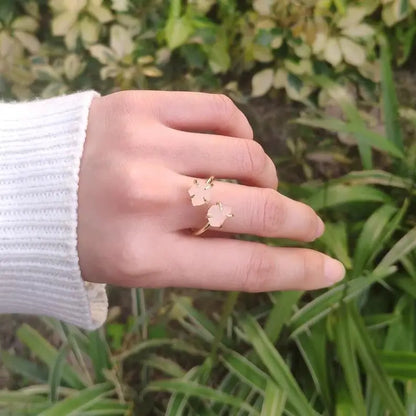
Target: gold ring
pixel 201 193
pixel 216 215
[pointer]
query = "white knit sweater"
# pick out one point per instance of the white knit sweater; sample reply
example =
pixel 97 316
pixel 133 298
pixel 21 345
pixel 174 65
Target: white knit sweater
pixel 41 144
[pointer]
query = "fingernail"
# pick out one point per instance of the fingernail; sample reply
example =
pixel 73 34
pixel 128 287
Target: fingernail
pixel 320 228
pixel 334 270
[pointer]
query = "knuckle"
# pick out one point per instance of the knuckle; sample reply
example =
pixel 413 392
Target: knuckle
pixel 253 158
pixel 132 260
pixel 259 269
pixel 125 259
pixel 129 190
pixel 144 189
pixel 124 105
pixel 270 213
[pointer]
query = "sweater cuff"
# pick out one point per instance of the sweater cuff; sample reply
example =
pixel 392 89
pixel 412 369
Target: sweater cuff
pixel 41 144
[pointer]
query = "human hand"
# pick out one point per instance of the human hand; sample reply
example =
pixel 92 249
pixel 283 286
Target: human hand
pixel 143 150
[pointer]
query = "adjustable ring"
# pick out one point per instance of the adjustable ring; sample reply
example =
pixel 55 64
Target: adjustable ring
pixel 201 193
pixel 216 215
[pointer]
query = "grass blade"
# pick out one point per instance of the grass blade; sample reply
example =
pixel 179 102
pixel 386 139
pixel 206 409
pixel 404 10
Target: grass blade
pixel 178 401
pixel 80 401
pixel 48 354
pixel 370 236
pixel 245 370
pixel 56 373
pixel 280 313
pixel 313 345
pixel 19 365
pixel 361 134
pixel 399 364
pixel 377 177
pixel 274 400
pixel 98 351
pixel 389 98
pixel 405 245
pixel 331 299
pixel 194 389
pixel 373 367
pixel 348 359
pixel 276 366
pixel 334 195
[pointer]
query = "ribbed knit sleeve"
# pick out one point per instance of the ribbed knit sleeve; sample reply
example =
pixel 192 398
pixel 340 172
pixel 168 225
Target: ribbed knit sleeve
pixel 41 144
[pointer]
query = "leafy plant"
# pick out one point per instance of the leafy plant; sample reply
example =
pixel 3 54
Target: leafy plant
pixel 142 43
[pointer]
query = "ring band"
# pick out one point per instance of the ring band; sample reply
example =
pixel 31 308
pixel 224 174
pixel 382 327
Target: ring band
pixel 200 194
pixel 217 214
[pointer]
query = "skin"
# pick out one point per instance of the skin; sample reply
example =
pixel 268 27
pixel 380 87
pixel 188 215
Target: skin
pixel 135 218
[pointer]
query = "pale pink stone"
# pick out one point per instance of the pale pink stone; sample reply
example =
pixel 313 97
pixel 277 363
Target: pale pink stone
pixel 199 194
pixel 217 214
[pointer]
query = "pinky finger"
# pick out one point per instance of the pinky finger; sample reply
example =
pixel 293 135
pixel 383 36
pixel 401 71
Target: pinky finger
pixel 226 264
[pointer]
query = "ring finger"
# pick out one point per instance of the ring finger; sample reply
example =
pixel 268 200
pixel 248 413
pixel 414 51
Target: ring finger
pixel 259 211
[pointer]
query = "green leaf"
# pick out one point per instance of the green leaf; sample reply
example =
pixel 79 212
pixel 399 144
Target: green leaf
pixel 351 112
pixel 261 82
pixel 166 365
pixel 194 389
pixel 245 370
pixel 79 401
pixel 178 31
pixel 360 134
pixel 56 373
pixel 389 99
pixel 276 366
pixel 175 344
pixel 399 364
pixel 334 195
pixel 370 236
pixel 98 352
pixel 335 240
pixel 377 177
pixel 48 354
pixel 405 245
pixel 373 367
pixel 407 284
pixel 218 54
pixel 178 401
pixel 274 400
pixel 19 365
pixel 313 345
pixel 278 317
pixel 331 300
pixel 348 359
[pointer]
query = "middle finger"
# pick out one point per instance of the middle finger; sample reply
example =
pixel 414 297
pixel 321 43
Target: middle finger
pixel 200 154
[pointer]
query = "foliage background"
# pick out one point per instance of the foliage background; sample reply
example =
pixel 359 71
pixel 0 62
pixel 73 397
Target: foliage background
pixel 349 350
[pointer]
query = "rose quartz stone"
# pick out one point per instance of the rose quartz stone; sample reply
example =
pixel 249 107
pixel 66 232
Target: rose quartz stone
pixel 199 193
pixel 217 214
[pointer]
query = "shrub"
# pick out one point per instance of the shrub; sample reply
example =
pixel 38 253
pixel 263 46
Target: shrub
pixel 55 46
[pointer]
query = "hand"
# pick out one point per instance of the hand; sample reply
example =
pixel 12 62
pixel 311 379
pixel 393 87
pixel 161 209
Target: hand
pixel 143 150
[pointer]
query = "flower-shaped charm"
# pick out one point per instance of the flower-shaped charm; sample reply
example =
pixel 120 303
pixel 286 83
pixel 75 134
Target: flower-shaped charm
pixel 200 193
pixel 217 214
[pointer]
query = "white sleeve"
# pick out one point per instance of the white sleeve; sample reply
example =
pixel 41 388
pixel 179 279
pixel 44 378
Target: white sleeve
pixel 41 144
